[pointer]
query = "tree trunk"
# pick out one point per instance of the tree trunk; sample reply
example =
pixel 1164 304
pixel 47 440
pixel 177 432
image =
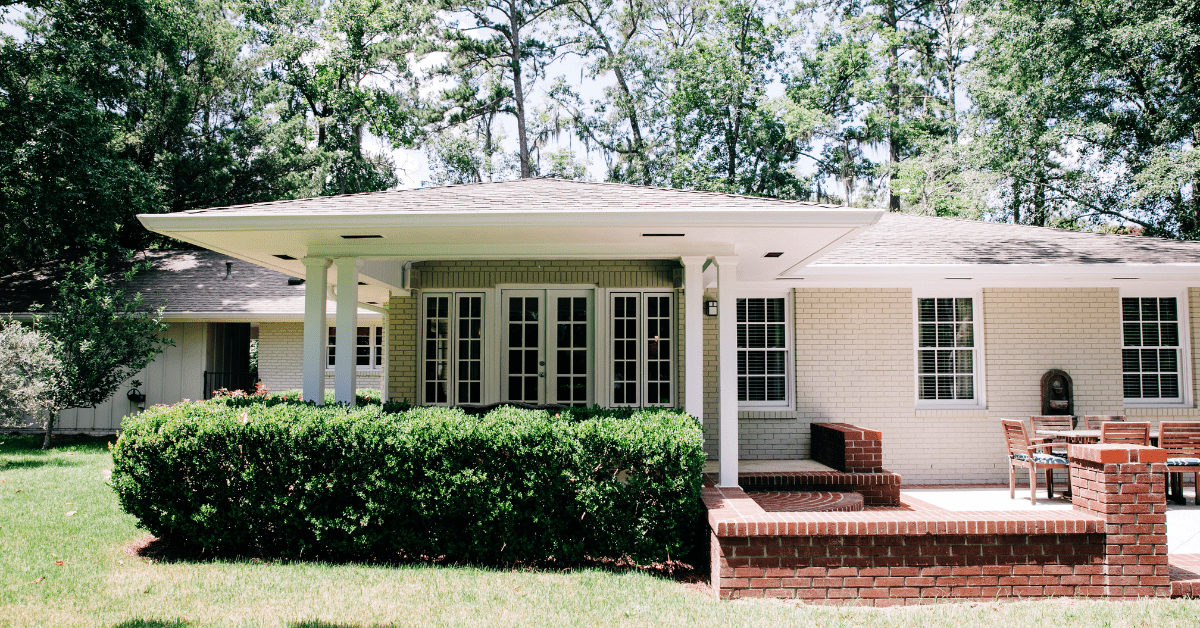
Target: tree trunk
pixel 49 429
pixel 518 91
pixel 893 108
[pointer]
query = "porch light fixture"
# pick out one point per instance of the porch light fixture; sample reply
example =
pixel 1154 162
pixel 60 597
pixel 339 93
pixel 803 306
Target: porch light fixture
pixel 774 254
pixel 295 281
pixel 662 235
pixel 710 308
pixel 361 237
pixel 284 256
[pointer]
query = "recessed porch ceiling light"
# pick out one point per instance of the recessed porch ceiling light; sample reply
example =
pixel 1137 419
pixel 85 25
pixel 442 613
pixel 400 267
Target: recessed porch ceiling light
pixel 774 254
pixel 662 235
pixel 361 236
pixel 284 256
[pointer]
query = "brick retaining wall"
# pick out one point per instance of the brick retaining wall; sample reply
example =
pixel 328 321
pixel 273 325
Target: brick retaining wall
pixel 1112 544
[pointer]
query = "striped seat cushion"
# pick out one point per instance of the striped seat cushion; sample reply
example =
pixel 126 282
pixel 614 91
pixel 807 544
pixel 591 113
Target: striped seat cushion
pixel 1183 462
pixel 1040 458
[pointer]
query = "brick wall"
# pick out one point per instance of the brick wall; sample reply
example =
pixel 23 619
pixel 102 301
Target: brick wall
pixel 402 348
pixel 1125 484
pixel 855 363
pixel 889 570
pixel 1112 544
pixel 847 448
pixel 281 354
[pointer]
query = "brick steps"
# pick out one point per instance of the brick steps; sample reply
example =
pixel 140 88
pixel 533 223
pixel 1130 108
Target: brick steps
pixel 877 489
pixel 823 501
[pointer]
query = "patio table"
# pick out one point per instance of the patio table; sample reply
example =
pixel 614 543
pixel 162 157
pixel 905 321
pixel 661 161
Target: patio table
pixel 1085 437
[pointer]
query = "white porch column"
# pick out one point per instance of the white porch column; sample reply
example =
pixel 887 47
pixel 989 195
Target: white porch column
pixel 345 365
pixel 727 334
pixel 693 333
pixel 316 271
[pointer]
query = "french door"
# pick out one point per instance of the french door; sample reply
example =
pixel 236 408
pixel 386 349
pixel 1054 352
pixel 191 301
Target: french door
pixel 548 339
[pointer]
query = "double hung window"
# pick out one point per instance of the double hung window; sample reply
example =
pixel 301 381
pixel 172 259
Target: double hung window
pixel 452 348
pixel 1151 349
pixel 947 351
pixel 762 351
pixel 368 348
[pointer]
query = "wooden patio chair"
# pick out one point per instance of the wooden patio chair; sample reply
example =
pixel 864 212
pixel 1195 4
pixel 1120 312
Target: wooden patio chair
pixel 1181 439
pixel 1049 422
pixel 1022 452
pixel 1125 433
pixel 1093 422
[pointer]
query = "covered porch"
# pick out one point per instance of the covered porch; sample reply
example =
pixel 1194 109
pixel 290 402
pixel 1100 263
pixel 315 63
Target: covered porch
pixel 495 331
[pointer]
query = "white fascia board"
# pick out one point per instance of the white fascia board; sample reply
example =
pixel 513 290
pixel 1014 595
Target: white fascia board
pixel 244 317
pixel 717 217
pixel 997 275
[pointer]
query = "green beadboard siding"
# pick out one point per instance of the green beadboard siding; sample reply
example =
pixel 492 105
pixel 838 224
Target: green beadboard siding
pixel 603 273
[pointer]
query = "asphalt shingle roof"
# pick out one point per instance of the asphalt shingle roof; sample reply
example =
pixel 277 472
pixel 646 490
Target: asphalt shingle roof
pixel 910 239
pixel 183 281
pixel 520 195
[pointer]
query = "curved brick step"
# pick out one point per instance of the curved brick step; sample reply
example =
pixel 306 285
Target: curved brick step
pixel 878 489
pixel 824 501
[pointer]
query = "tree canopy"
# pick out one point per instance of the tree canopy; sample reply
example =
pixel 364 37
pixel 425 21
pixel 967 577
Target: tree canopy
pixel 1074 114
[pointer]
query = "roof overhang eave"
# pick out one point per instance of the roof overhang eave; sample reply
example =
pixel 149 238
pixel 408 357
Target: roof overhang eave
pixel 249 221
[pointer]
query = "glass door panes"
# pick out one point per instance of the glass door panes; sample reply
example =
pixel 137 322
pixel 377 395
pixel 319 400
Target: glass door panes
pixel 625 349
pixel 525 366
pixel 659 352
pixel 437 349
pixel 572 352
pixel 1150 348
pixel 762 350
pixel 452 348
pixel 470 349
pixel 642 354
pixel 945 349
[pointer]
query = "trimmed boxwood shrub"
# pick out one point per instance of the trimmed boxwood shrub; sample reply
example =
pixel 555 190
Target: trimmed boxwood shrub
pixel 512 486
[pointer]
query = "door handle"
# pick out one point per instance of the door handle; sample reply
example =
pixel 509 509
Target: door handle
pixel 542 374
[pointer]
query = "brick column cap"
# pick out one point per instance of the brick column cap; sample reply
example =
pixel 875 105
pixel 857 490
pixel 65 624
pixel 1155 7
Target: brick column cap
pixel 1116 454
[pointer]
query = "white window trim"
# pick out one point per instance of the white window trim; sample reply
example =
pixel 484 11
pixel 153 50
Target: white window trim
pixel 980 400
pixel 485 347
pixel 789 333
pixel 1185 343
pixel 371 368
pixel 604 370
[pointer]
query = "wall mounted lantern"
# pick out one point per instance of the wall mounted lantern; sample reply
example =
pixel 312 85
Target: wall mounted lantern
pixel 710 308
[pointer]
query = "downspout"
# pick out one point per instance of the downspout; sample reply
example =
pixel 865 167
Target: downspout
pixel 384 380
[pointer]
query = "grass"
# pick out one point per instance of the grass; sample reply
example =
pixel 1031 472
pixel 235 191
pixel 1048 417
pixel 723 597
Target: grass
pixel 100 583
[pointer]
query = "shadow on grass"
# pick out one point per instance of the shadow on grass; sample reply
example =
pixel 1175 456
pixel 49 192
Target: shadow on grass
pixel 36 463
pixel 153 623
pixel 174 551
pixel 31 444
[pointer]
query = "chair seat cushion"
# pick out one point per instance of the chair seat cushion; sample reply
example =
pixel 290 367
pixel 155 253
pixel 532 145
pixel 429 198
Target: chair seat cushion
pixel 1040 458
pixel 1183 462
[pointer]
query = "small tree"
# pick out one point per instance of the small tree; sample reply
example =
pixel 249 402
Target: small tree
pixel 29 372
pixel 103 338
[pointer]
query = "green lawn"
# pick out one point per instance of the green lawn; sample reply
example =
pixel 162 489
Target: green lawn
pixel 99 583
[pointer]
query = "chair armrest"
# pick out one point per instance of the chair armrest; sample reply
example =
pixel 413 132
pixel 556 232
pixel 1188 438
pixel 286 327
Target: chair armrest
pixel 1044 446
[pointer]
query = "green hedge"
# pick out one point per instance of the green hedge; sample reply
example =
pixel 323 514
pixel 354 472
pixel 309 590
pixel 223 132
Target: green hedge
pixel 513 486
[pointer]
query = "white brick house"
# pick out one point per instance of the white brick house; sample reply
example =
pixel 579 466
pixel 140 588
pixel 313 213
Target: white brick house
pixel 758 316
